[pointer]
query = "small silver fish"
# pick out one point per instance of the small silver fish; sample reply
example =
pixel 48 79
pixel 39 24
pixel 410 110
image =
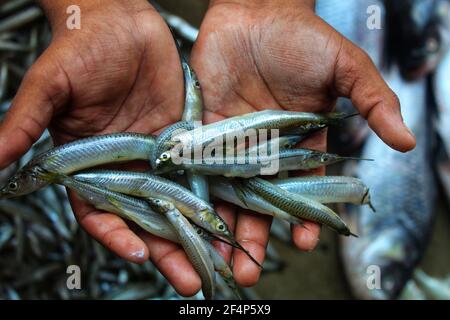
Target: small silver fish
pixel 194 246
pixel 77 155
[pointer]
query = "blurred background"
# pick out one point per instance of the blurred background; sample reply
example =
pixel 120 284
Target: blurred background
pixel 403 249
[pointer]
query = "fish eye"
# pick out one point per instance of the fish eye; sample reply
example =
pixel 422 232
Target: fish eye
pixel 221 227
pixel 165 156
pixel 199 231
pixel 197 84
pixel 325 158
pixel 13 186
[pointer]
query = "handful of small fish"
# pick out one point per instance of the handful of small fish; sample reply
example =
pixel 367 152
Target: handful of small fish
pixel 171 201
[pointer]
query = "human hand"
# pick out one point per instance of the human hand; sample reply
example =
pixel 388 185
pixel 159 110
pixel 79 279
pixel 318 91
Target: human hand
pixel 119 72
pixel 252 55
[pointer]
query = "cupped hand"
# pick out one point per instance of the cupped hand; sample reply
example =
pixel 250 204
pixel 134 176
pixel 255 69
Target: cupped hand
pixel 119 72
pixel 254 55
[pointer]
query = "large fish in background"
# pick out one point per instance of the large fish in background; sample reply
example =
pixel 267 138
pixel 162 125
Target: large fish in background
pixel 418 34
pixel 403 192
pixel 441 90
pixel 350 17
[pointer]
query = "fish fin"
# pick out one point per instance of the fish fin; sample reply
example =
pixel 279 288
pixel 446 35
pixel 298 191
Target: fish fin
pixel 49 176
pixel 113 201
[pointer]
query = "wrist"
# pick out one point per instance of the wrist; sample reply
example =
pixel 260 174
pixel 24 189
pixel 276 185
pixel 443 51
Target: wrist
pixel 56 11
pixel 259 3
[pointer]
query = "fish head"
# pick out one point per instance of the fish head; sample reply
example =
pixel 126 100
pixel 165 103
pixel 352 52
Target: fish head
pixel 324 159
pixel 193 85
pixel 200 231
pixel 25 181
pixel 163 158
pixel 161 205
pixel 218 225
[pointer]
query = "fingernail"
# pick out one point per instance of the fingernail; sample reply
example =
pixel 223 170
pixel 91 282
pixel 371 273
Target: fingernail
pixel 138 254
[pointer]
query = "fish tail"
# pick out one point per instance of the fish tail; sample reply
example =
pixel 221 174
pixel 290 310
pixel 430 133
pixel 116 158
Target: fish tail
pixel 240 247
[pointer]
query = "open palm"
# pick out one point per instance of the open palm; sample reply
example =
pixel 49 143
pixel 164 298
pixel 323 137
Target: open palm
pixel 268 56
pixel 115 75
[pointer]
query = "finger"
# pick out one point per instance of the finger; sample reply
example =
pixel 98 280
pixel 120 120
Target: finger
pixel 172 262
pixel 44 89
pixel 228 213
pixel 252 232
pixel 356 77
pixel 306 237
pixel 110 230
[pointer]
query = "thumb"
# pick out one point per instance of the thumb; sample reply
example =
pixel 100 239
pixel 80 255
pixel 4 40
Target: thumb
pixel 44 89
pixel 357 77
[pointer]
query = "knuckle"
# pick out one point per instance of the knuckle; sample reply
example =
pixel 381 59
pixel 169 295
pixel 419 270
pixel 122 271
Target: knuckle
pixel 395 100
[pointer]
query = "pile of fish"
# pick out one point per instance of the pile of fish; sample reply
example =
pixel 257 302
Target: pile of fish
pixel 166 208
